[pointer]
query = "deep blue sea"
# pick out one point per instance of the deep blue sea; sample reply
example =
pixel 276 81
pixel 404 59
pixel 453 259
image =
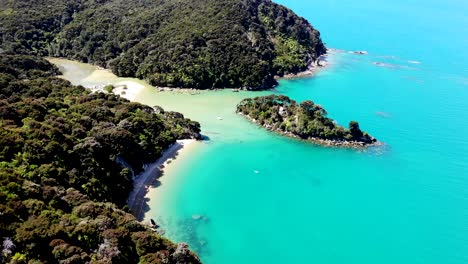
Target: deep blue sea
pixel 263 198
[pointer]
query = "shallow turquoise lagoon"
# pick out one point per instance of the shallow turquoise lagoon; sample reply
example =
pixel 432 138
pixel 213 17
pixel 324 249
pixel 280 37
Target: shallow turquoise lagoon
pixel 269 199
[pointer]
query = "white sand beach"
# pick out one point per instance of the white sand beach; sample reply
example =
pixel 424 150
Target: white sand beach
pixel 128 89
pixel 96 78
pixel 142 182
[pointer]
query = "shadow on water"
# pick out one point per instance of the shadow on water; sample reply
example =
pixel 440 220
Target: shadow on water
pixel 145 201
pixel 204 137
pixel 188 230
pixel 140 204
pixel 141 201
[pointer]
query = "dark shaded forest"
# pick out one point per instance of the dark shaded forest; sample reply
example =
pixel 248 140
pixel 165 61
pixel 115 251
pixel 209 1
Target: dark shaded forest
pixel 62 187
pixel 179 43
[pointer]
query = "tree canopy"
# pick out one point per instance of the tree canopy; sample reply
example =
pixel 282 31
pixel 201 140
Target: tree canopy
pixel 179 43
pixel 62 182
pixel 306 120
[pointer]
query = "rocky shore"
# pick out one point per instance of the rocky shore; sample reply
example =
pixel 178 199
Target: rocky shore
pixel 305 120
pixel 312 69
pixel 318 141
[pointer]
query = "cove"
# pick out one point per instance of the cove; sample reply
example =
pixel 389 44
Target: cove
pixel 250 196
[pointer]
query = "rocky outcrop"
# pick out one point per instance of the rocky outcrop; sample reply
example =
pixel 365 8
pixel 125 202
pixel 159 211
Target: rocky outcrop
pixel 306 121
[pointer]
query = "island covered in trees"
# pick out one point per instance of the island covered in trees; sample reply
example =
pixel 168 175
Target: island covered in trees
pixel 63 181
pixel 200 44
pixel 306 120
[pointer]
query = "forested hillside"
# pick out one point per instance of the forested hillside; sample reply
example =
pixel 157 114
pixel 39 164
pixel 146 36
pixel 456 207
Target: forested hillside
pixel 62 183
pixel 177 43
pixel 306 120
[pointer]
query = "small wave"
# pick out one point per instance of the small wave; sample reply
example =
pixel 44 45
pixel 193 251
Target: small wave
pixel 388 57
pixel 385 65
pixel 392 66
pixel 383 114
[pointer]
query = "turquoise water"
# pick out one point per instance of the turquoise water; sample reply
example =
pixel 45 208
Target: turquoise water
pixel 269 199
pixel 405 202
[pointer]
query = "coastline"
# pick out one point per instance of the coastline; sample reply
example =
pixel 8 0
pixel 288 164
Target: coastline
pixel 125 89
pixel 137 200
pixel 128 89
pixel 317 141
pixel 96 78
pixel 321 63
pixel 167 183
pixel 312 69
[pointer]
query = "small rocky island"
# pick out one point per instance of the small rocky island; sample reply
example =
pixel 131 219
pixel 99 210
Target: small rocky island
pixel 305 121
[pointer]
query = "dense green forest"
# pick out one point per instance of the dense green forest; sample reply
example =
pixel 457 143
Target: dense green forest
pixel 178 43
pixel 306 120
pixel 62 187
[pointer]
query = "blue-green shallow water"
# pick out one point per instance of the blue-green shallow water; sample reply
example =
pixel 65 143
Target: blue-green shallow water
pixel 269 199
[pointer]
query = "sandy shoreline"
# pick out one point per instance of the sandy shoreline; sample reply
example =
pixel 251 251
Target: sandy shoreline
pixel 125 89
pixel 128 89
pixel 137 200
pixel 131 88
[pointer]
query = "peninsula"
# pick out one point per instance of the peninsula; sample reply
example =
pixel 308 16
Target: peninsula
pixel 201 44
pixel 306 120
pixel 69 157
pixel 68 160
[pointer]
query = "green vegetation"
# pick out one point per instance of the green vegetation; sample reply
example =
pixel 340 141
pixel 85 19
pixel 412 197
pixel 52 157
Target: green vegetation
pixel 108 88
pixel 179 43
pixel 305 120
pixel 63 182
